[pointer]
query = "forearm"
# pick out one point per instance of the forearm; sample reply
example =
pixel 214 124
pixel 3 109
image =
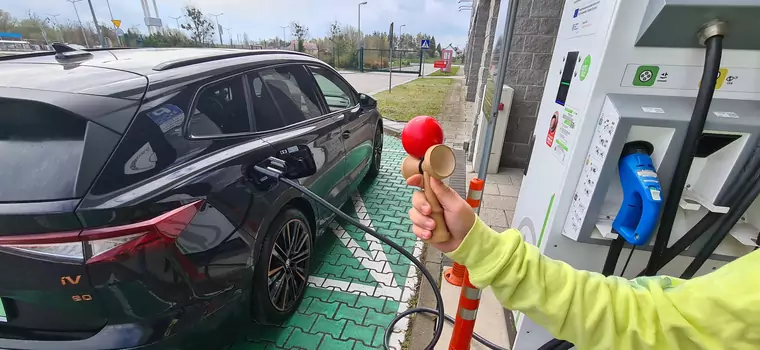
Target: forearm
pixel 583 307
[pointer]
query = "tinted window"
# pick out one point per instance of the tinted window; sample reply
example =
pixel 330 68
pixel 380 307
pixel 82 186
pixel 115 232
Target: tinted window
pixel 266 115
pixel 291 89
pixel 40 151
pixel 338 94
pixel 221 109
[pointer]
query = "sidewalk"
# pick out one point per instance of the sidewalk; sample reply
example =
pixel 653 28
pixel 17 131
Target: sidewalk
pixel 497 209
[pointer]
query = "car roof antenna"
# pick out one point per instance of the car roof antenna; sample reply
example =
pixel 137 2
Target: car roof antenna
pixel 63 51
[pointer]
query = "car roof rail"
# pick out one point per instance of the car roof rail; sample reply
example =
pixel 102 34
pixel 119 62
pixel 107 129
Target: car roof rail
pixel 196 60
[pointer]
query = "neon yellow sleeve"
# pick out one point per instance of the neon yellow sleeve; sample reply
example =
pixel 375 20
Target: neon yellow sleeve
pixel 717 311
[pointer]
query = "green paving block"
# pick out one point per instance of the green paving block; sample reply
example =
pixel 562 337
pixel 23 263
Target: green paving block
pixel 272 334
pixel 371 303
pixel 391 306
pixel 377 318
pixel 300 339
pixel 317 293
pixel 328 326
pixel 343 297
pixel 323 308
pixel 359 274
pixel 358 332
pixel 329 269
pixel 351 313
pixel 380 224
pixel 304 305
pixel 361 346
pixel 302 321
pixel 244 345
pixel 328 343
pixel 348 260
pixel 379 336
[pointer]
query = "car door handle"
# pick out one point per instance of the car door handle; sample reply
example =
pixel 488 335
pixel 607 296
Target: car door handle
pixel 346 134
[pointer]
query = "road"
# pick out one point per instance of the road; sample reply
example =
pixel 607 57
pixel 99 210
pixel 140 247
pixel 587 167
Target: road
pixel 374 82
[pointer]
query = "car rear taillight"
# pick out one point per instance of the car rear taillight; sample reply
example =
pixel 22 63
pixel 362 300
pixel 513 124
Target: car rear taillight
pixel 106 243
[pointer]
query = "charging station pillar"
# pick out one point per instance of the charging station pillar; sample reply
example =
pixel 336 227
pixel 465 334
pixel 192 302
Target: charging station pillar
pixel 628 71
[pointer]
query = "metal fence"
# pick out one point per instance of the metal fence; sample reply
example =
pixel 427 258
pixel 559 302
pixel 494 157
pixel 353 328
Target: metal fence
pixel 403 61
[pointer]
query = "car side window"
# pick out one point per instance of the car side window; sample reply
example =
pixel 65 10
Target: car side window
pixel 338 95
pixel 291 90
pixel 220 109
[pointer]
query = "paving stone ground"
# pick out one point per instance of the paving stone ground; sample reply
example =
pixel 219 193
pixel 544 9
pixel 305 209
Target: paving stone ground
pixel 358 285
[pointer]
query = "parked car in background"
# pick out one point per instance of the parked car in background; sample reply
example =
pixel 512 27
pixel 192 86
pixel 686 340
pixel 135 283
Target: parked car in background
pixel 130 215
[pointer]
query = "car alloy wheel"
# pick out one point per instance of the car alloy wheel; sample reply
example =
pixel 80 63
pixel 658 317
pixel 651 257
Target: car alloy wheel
pixel 288 265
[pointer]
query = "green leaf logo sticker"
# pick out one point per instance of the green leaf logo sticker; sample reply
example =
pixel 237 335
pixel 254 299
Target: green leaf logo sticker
pixel 585 68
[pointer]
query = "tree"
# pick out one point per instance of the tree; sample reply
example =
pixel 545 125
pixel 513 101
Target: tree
pixel 438 49
pixel 199 26
pixel 300 32
pixel 433 47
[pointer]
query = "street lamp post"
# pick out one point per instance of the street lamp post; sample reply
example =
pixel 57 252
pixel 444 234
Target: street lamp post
pixel 359 25
pixel 218 27
pixel 284 38
pixel 176 19
pixel 74 3
pixel 361 36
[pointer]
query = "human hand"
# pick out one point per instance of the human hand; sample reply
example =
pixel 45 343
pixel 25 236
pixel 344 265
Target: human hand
pixel 458 215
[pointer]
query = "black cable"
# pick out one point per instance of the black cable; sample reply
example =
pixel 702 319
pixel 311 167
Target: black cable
pixel 725 225
pixel 694 130
pixel 627 261
pixel 616 247
pixel 438 311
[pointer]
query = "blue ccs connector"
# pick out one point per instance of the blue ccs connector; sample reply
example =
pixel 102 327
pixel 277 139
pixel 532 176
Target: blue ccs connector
pixel 642 194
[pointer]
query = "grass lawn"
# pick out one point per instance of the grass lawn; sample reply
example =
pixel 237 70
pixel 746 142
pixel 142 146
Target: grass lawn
pixel 438 73
pixel 419 97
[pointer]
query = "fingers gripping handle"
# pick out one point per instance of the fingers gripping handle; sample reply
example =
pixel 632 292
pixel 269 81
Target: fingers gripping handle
pixel 439 162
pixel 441 232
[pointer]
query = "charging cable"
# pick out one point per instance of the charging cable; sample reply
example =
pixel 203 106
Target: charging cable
pixel 277 168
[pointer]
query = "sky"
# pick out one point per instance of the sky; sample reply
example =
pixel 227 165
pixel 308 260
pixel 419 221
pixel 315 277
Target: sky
pixel 262 19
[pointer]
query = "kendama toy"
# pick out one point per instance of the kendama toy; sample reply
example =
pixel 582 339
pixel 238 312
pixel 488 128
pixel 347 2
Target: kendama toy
pixel 422 139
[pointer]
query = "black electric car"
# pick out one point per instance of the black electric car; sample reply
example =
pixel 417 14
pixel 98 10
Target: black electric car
pixel 130 214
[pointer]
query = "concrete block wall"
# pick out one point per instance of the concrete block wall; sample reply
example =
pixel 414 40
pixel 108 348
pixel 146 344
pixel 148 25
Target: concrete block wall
pixel 488 43
pixel 476 48
pixel 532 47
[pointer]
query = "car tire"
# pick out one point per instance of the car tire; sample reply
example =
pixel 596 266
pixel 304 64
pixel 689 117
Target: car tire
pixel 282 269
pixel 377 153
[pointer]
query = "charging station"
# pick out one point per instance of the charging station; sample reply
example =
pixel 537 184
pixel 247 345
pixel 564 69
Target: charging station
pixel 623 82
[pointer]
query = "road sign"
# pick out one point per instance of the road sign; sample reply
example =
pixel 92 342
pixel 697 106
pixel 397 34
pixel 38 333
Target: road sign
pixel 439 64
pixel 119 32
pixel 425 44
pixel 116 23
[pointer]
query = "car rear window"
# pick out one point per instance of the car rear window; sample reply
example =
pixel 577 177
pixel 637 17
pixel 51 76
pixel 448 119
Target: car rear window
pixel 40 151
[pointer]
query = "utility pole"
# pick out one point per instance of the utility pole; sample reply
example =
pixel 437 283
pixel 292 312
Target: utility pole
pixel 118 38
pixel 218 27
pixel 284 38
pixel 57 28
pixel 40 24
pixel 74 3
pixel 97 26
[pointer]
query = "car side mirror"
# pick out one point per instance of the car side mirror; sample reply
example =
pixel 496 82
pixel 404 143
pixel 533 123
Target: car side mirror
pixel 367 101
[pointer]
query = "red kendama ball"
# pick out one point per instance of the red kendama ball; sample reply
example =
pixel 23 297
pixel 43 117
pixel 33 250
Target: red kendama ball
pixel 421 133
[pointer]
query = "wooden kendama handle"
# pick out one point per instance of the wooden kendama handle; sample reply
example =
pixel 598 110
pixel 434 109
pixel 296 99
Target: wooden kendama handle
pixel 439 163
